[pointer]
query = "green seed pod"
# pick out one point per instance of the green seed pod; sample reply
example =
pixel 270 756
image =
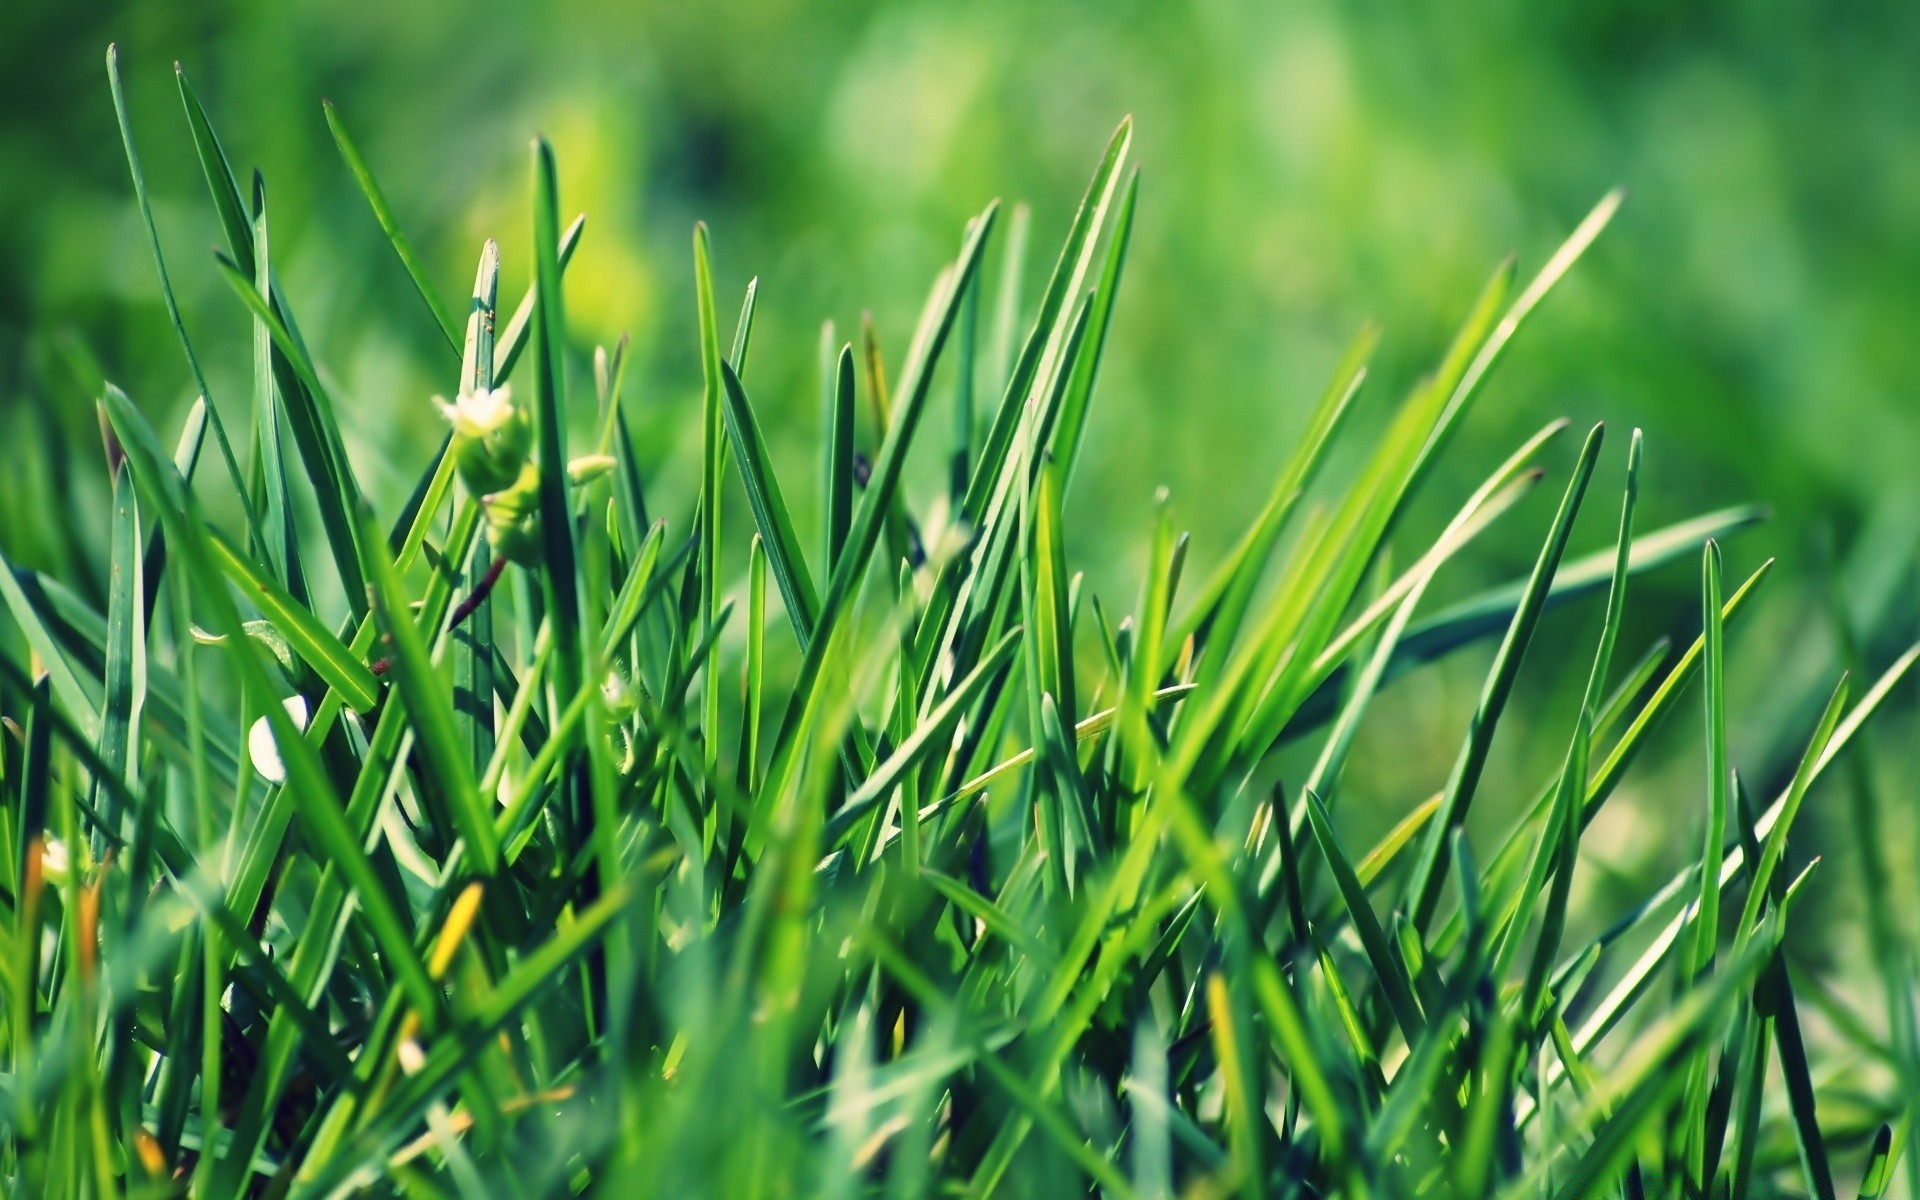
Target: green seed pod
pixel 513 517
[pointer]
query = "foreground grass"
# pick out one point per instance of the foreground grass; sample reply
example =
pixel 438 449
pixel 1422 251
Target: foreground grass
pixel 546 884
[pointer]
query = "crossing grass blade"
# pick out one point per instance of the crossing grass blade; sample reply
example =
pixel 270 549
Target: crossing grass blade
pixel 307 777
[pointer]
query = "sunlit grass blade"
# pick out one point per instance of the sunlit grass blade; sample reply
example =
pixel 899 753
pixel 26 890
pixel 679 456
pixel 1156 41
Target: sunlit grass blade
pixel 421 687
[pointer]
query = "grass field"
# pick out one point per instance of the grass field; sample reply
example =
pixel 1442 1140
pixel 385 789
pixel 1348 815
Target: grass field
pixel 557 833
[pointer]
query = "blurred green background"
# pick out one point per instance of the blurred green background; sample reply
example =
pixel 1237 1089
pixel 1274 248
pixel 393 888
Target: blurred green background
pixel 1306 167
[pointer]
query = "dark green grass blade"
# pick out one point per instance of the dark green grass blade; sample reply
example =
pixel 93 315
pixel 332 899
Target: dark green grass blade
pixel 166 285
pixel 390 225
pixel 838 484
pixel 1560 842
pixel 279 539
pixel 308 413
pixel 559 582
pixel 1388 970
pixel 1423 890
pixel 769 506
pixel 1879 1173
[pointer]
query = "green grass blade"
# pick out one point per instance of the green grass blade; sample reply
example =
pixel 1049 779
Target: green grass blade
pixel 306 777
pixel 925 740
pixel 712 467
pixel 1423 890
pixel 1388 970
pixel 1073 409
pixel 837 487
pixel 559 583
pixel 390 225
pixel 769 506
pixel 166 281
pixel 427 699
pixel 313 642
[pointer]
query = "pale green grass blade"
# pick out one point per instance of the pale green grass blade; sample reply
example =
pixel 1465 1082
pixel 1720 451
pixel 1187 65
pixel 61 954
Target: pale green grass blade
pixel 1073 410
pixel 926 739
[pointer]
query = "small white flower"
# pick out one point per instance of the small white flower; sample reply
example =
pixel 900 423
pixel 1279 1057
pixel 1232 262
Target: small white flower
pixel 53 859
pixel 479 414
pixel 261 746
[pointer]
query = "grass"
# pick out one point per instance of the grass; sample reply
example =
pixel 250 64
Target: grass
pixel 991 886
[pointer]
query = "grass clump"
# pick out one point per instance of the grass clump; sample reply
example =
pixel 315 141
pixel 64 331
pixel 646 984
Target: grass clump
pixel 520 871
